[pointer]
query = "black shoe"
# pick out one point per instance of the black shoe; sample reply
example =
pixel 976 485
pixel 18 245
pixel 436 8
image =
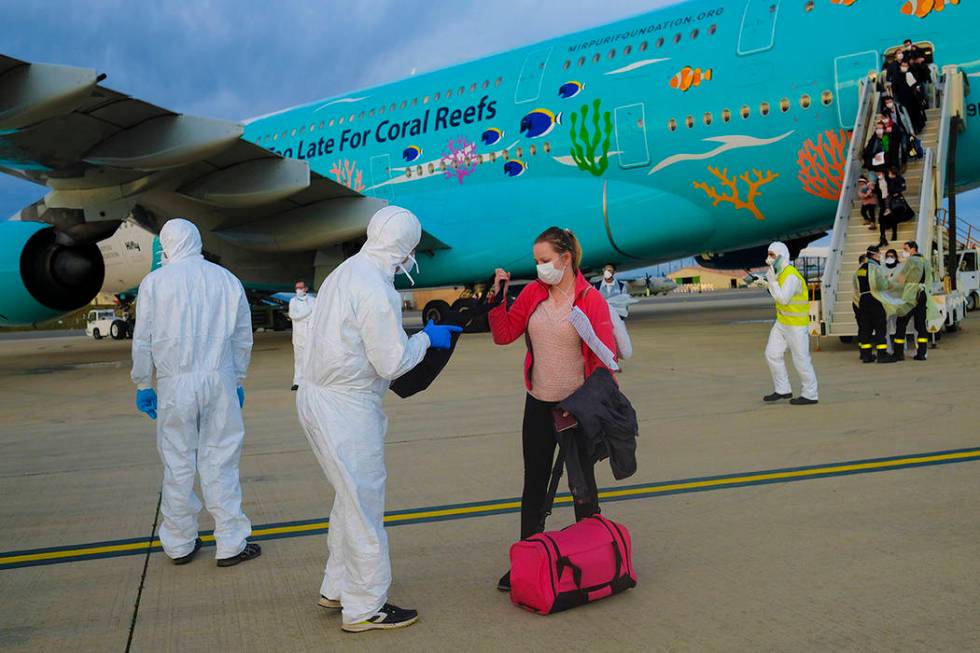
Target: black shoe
pixel 776 397
pixel 802 401
pixel 870 359
pixel 390 616
pixel 183 560
pixel 250 551
pixel 883 242
pixel 887 358
pixel 294 388
pixel 504 583
pixel 919 357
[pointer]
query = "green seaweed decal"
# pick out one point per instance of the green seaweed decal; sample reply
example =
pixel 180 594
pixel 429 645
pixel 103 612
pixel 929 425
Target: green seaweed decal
pixel 584 153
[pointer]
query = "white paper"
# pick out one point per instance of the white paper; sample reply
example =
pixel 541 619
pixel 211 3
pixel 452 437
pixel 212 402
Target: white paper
pixel 580 321
pixel 879 159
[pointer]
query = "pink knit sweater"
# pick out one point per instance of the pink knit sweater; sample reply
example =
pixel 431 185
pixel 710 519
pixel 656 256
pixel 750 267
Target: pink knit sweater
pixel 559 367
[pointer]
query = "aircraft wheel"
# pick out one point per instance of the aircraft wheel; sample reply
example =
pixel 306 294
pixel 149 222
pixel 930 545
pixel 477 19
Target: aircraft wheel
pixel 436 310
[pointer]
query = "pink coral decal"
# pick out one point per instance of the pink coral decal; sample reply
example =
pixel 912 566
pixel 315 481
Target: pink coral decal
pixel 459 158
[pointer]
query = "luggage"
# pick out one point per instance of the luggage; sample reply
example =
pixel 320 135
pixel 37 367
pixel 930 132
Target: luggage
pixel 585 562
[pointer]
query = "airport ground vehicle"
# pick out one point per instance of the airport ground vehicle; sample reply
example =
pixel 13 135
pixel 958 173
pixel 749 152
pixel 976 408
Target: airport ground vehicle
pixel 103 322
pixel 968 277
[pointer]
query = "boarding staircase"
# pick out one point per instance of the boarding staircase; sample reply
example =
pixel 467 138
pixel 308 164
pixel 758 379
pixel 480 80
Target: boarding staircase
pixel 926 180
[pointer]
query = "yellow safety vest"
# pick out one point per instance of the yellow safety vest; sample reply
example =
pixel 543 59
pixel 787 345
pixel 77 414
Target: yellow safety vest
pixel 797 311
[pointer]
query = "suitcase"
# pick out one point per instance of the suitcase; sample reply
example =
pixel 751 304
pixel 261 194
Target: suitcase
pixel 557 570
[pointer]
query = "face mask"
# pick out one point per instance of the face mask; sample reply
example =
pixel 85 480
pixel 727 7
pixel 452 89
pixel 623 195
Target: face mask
pixel 899 56
pixel 301 292
pixel 405 267
pixel 607 275
pixel 889 105
pixel 549 274
pixel 905 69
pixel 905 253
pixel 880 132
pixel 771 260
pixel 890 261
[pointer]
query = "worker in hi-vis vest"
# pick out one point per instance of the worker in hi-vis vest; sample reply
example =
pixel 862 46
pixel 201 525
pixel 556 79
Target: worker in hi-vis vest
pixel 874 307
pixel 791 330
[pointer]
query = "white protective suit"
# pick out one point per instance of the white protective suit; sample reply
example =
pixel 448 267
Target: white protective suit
pixel 784 336
pixel 300 312
pixel 357 347
pixel 194 329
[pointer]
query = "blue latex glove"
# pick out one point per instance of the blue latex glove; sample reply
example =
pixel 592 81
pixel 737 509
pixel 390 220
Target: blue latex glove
pixel 441 336
pixel 241 397
pixel 146 402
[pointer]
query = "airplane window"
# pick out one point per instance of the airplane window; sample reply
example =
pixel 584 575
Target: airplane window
pixel 432 168
pixel 486 83
pixel 677 37
pixel 321 124
pixel 361 117
pixel 415 101
pixel 293 133
pixel 672 125
pixel 340 120
pixel 689 121
pixel 371 113
pixel 712 30
pixel 547 148
pixel 442 167
pixel 694 33
pixel 408 172
pixel 506 155
pixel 449 93
pixel 435 98
pixel 351 119
pixel 520 153
pixel 644 46
pixel 391 108
pixel 275 136
pixel 726 115
pixel 404 104
pixel 596 57
pixel 493 157
pixel 332 121
pixel 500 80
pixel 764 108
pixel 784 105
pixel 612 53
pixel 533 149
pixel 660 42
pixel 745 111
pixel 302 129
pixel 381 110
pixel 581 61
pixel 827 97
pixel 809 6
pixel 627 50
pixel 566 65
pixel 707 118
pixel 425 100
pixel 418 171
pixel 313 127
pixel 284 133
pixel 473 88
pixel 462 89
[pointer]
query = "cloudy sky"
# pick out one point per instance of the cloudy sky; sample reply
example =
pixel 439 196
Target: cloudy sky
pixel 239 58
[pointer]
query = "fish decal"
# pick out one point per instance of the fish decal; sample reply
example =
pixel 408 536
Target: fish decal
pixel 412 153
pixel 570 89
pixel 539 123
pixel 689 77
pixel 492 136
pixel 515 168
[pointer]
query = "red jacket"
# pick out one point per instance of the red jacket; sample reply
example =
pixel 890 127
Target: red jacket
pixel 507 325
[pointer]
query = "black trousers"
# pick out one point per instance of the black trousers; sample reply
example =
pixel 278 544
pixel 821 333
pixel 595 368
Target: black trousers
pixel 918 314
pixel 540 441
pixel 872 327
pixel 868 212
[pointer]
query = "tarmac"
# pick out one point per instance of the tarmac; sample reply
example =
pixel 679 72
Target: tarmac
pixel 850 525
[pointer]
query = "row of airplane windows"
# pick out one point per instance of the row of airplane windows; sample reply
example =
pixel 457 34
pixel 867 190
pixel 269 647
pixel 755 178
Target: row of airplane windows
pixel 643 47
pixel 826 98
pixel 380 111
pixel 477 159
pixel 596 58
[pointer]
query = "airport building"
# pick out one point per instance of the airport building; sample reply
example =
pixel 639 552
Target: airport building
pixel 695 278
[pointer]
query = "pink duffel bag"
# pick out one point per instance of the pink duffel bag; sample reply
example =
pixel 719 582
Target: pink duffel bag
pixel 558 570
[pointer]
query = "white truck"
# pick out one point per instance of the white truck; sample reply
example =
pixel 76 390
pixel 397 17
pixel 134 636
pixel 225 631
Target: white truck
pixel 103 322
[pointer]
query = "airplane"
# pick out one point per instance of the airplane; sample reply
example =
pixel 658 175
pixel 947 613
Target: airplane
pixel 682 131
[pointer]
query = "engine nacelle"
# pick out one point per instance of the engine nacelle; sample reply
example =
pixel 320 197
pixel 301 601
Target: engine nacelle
pixel 41 279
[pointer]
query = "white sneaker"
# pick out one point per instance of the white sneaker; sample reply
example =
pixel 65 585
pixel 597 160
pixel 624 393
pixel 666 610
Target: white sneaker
pixel 324 602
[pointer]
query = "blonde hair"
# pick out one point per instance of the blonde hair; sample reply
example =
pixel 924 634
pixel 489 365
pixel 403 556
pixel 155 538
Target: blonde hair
pixel 563 240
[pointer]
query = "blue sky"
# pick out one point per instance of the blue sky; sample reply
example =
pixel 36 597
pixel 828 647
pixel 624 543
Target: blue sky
pixel 235 59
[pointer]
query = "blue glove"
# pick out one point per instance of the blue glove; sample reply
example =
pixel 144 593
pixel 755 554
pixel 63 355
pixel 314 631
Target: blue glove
pixel 441 336
pixel 146 402
pixel 241 397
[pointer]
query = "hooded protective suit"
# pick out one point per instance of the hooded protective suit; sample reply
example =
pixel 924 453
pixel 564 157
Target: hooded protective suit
pixel 300 311
pixel 194 329
pixel 788 289
pixel 357 347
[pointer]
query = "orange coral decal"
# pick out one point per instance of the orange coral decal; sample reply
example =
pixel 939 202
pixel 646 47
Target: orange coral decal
pixel 822 164
pixel 922 8
pixel 732 197
pixel 846 3
pixel 346 173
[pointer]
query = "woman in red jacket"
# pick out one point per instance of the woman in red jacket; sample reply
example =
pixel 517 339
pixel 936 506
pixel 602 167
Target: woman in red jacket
pixel 557 363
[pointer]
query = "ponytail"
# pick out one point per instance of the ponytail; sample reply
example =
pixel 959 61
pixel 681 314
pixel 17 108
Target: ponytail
pixel 563 240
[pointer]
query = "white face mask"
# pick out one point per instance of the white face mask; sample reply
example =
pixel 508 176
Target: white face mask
pixel 905 253
pixel 406 265
pixel 549 274
pixel 880 132
pixel 890 261
pixel 607 275
pixel 301 292
pixel 771 260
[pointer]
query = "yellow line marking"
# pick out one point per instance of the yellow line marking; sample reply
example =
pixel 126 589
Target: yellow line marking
pixel 514 505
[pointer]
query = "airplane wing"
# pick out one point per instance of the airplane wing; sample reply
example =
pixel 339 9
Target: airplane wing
pixel 107 156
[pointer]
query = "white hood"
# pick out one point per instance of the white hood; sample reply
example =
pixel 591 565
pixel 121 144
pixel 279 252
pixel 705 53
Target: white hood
pixel 180 240
pixel 779 249
pixel 392 235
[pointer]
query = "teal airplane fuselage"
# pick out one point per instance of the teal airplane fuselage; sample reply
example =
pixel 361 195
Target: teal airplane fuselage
pixel 707 126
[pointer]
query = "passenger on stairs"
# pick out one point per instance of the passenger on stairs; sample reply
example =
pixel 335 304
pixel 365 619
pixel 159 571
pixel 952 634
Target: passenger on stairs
pixel 876 151
pixel 869 284
pixel 869 201
pixel 910 92
pixel 896 208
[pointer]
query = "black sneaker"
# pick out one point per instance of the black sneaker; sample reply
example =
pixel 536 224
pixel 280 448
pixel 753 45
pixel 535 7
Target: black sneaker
pixel 389 617
pixel 802 401
pixel 777 396
pixel 919 357
pixel 183 560
pixel 250 551
pixel 294 388
pixel 504 583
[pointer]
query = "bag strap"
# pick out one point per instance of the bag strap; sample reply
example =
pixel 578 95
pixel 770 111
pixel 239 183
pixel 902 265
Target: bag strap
pixel 549 500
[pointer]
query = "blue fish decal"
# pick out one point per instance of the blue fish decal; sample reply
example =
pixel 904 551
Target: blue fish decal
pixel 570 89
pixel 515 168
pixel 492 136
pixel 539 123
pixel 412 153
